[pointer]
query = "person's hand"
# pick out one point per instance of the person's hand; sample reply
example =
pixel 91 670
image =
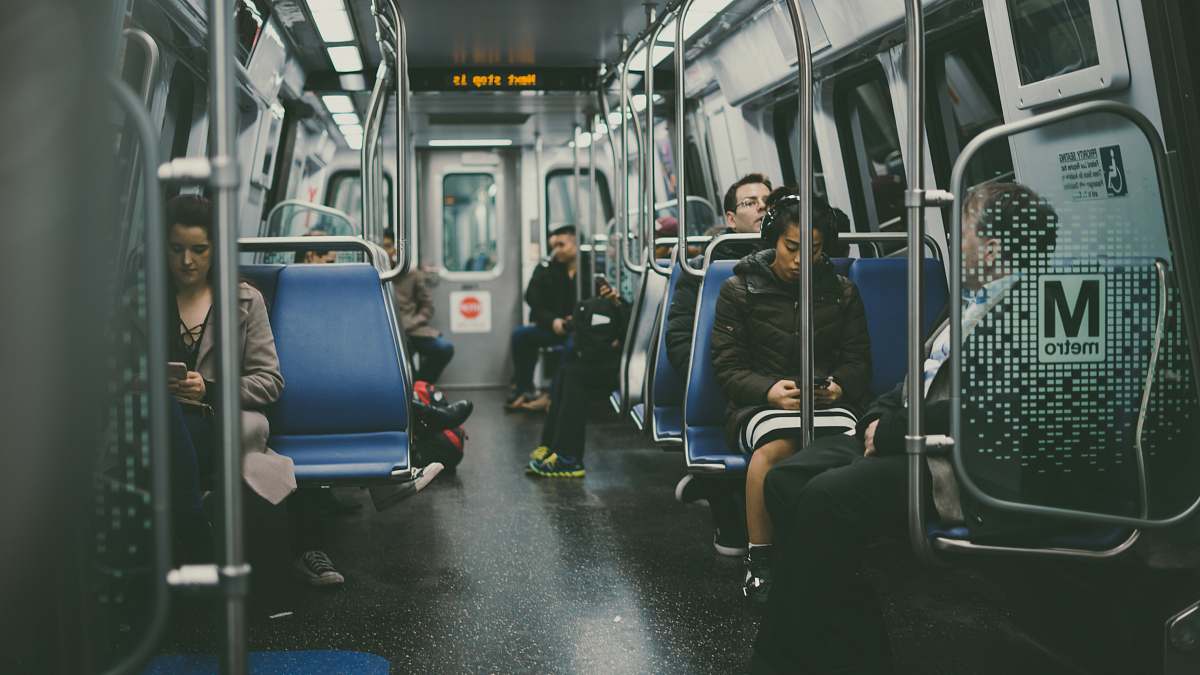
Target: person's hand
pixel 869 439
pixel 829 394
pixel 784 395
pixel 610 293
pixel 191 387
pixel 559 326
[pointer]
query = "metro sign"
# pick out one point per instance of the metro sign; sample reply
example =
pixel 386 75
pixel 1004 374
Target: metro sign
pixel 1071 318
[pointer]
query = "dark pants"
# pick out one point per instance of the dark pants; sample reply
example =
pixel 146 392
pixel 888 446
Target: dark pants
pixel 304 520
pixel 827 503
pixel 435 352
pixel 526 341
pixel 576 385
pixel 193 453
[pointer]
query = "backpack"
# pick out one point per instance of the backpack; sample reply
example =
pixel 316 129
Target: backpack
pixel 444 446
pixel 598 324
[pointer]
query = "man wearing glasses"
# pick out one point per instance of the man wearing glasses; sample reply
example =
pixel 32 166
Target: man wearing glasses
pixel 745 205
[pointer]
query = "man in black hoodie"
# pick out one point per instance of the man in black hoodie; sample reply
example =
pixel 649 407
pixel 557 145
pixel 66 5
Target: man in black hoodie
pixel 551 297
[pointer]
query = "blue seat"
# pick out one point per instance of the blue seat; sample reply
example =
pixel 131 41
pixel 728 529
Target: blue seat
pixel 262 663
pixel 635 357
pixel 883 285
pixel 842 265
pixel 343 415
pixel 665 386
pixel 705 404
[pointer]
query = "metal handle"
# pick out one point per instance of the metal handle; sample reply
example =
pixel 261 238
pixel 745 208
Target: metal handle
pixel 616 226
pixel 575 210
pixel 648 155
pixel 376 255
pixel 630 117
pixel 400 194
pixel 681 140
pixel 156 371
pixel 368 155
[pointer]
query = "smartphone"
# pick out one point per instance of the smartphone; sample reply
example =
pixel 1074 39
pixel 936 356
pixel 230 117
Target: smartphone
pixel 820 382
pixel 177 370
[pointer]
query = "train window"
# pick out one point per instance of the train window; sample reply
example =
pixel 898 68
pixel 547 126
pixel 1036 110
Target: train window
pixel 469 232
pixel 784 119
pixel 249 17
pixel 345 194
pixel 963 102
pixel 560 206
pixel 871 150
pixel 1052 37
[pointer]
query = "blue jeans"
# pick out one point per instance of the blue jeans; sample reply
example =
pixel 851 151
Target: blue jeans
pixel 435 352
pixel 526 341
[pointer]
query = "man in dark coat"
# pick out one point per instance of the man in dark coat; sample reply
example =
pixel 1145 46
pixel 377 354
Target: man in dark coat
pixel 841 492
pixel 551 297
pixel 756 352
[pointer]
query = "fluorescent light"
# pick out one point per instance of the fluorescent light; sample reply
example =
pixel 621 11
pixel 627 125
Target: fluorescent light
pixel 338 103
pixel 345 59
pixel 345 119
pixel 333 22
pixel 601 129
pixel 614 119
pixel 638 101
pixel 355 142
pixel 583 139
pixel 351 130
pixel 352 82
pixel 469 142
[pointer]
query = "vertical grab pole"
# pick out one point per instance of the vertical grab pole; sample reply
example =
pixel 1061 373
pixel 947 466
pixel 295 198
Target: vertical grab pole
pixel 630 264
pixel 593 199
pixel 804 128
pixel 680 143
pixel 401 194
pixel 619 249
pixel 538 150
pixel 648 144
pixel 639 138
pixel 367 155
pixel 575 210
pixel 234 571
pixel 914 203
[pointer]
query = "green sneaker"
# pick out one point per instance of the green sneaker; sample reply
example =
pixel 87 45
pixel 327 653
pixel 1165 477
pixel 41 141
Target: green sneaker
pixel 540 453
pixel 557 467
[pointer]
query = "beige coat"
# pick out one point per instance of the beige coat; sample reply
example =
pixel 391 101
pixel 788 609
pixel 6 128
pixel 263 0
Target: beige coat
pixel 414 304
pixel 271 475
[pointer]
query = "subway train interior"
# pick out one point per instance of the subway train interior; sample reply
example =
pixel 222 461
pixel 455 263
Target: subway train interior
pixel 221 456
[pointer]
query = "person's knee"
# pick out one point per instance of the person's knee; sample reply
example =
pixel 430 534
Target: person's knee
pixel 771 453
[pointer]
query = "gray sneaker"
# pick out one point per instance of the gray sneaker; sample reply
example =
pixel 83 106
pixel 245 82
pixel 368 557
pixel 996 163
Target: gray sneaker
pixel 316 569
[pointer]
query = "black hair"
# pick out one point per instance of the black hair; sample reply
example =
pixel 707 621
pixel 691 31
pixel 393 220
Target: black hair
pixel 562 229
pixel 730 201
pixel 300 256
pixel 1024 222
pixel 781 216
pixel 390 234
pixel 191 211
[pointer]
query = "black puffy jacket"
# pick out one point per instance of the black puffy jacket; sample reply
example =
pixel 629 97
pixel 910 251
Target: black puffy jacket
pixel 551 292
pixel 756 343
pixel 682 314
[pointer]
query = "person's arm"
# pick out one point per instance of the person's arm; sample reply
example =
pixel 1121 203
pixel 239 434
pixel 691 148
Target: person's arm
pixel 262 381
pixel 536 295
pixel 731 351
pixel 424 301
pixel 681 317
pixel 853 372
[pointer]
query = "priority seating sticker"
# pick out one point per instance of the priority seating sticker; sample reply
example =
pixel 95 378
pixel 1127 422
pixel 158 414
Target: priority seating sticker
pixel 471 312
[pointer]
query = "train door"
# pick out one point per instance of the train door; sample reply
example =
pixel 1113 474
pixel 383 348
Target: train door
pixel 469 237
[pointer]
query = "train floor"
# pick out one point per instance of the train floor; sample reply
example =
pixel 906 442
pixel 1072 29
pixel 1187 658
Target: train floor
pixel 492 571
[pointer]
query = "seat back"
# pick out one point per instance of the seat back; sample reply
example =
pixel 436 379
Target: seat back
pixel 664 388
pixel 883 285
pixel 704 402
pixel 344 409
pixel 640 337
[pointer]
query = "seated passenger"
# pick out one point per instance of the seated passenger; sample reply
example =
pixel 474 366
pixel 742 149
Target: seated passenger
pixel 745 206
pixel 414 309
pixel 665 227
pixel 757 357
pixel 842 492
pixel 316 255
pixel 194 443
pixel 590 373
pixel 551 298
pixel 389 245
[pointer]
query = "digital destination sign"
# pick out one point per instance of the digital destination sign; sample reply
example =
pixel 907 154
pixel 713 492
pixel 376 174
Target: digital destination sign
pixel 473 79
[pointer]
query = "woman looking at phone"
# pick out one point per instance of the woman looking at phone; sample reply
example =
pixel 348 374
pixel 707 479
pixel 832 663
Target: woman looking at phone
pixel 192 339
pixel 756 355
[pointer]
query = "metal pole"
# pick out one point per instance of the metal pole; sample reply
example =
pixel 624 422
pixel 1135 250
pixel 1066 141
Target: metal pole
pixel 680 143
pixel 593 200
pixel 804 128
pixel 225 182
pixel 538 150
pixel 648 184
pixel 639 138
pixel 630 264
pixel 367 155
pixel 914 202
pixel 575 210
pixel 618 269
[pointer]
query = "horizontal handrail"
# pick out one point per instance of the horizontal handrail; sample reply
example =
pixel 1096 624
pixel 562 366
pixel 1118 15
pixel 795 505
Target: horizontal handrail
pixel 376 255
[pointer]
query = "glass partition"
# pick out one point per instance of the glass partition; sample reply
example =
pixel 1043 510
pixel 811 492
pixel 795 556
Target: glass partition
pixel 469 234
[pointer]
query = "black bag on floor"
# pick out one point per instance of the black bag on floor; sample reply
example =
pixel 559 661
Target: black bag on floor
pixel 445 445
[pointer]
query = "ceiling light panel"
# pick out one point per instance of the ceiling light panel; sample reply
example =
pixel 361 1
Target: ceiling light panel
pixel 345 59
pixel 332 19
pixel 345 119
pixel 470 142
pixel 338 103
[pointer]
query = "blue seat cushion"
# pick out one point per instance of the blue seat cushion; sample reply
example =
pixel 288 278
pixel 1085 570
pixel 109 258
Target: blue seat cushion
pixel 266 663
pixel 706 445
pixel 668 421
pixel 344 456
pixel 668 384
pixel 883 285
pixel 339 352
pixel 263 277
pixel 1081 537
pixel 842 265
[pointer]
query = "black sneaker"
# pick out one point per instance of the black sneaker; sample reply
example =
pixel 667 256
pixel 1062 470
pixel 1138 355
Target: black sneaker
pixel 757 585
pixel 316 569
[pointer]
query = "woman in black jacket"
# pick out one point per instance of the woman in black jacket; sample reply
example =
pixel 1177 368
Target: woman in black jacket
pixel 756 355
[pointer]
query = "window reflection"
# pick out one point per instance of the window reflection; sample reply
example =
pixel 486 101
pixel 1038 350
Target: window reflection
pixel 469 222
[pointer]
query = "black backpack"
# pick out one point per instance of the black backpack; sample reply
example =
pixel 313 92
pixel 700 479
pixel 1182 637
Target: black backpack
pixel 599 326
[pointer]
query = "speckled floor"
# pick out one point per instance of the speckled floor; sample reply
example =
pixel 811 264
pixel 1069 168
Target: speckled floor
pixel 492 571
